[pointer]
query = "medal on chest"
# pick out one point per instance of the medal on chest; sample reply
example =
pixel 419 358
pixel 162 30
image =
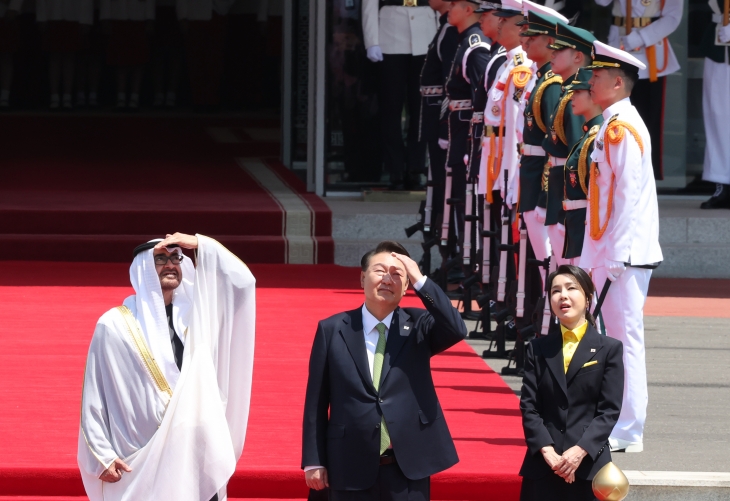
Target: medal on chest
pixel 554 135
pixel 495 110
pixel 646 3
pixel 530 119
pixel 573 179
pixel 599 144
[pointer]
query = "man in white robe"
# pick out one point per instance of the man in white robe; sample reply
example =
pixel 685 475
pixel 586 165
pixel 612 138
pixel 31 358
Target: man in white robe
pixel 168 377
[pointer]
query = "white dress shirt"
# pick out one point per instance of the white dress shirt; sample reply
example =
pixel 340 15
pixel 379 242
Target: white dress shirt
pixel 371 337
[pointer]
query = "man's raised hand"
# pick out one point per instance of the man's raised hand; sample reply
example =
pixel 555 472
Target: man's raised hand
pixel 181 239
pixel 115 471
pixel 414 272
pixel 316 479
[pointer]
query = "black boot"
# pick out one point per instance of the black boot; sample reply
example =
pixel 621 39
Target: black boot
pixel 720 200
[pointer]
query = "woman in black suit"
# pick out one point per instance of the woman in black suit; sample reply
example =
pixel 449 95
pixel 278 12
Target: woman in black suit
pixel 571 396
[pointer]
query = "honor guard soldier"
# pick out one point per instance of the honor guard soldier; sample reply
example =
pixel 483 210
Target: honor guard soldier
pixel 540 102
pixel 577 168
pixel 396 34
pixel 621 244
pixel 571 51
pixel 433 128
pixel 471 59
pixel 641 28
pixel 716 108
pixel 489 24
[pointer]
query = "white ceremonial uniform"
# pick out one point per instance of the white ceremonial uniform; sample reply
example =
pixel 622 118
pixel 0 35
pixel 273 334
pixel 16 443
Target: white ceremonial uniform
pixel 81 11
pixel 632 237
pixel 398 30
pixel 127 10
pixel 503 109
pixel 171 426
pixel 202 10
pixel 715 110
pixel 654 34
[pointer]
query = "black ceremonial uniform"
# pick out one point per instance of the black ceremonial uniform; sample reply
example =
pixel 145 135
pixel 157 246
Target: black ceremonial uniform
pixel 433 120
pixel 563 130
pixel 497 52
pixel 467 70
pixel 577 173
pixel 543 99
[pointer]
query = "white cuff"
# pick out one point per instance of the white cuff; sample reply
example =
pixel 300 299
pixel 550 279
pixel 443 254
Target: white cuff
pixel 417 286
pixel 309 468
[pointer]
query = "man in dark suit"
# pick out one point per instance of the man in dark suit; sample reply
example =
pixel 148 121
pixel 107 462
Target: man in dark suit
pixel 373 425
pixel 570 402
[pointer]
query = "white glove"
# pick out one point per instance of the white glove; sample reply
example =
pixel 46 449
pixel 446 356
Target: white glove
pixel 632 41
pixel 541 214
pixel 614 269
pixel 375 54
pixel 443 143
pixel 724 34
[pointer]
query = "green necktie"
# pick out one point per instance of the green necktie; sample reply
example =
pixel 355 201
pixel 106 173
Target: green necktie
pixel 377 369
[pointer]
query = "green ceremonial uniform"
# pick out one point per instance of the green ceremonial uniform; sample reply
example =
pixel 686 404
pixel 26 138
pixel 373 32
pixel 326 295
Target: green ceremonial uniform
pixel 577 174
pixel 543 99
pixel 540 103
pixel 564 128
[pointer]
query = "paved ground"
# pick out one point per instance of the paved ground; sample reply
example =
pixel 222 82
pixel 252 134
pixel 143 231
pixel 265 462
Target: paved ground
pixel 688 367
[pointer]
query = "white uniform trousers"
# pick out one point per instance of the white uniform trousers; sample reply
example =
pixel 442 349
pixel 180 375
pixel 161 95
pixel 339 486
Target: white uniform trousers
pixel 537 232
pixel 556 232
pixel 716 110
pixel 623 316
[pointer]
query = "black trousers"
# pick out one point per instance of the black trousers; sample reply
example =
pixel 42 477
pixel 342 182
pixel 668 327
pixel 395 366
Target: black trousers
pixel 437 160
pixel 648 98
pixel 391 485
pixel 400 76
pixel 553 488
pixel 214 498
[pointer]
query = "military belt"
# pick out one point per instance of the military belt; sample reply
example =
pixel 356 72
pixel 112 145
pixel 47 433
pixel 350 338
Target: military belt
pixel 557 161
pixel 574 204
pixel 460 104
pixel 432 90
pixel 491 129
pixel 530 150
pixel 638 22
pixel 477 117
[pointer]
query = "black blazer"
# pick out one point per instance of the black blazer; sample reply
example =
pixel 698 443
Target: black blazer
pixel 577 408
pixel 347 442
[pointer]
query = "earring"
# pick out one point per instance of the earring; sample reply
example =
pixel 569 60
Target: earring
pixel 556 320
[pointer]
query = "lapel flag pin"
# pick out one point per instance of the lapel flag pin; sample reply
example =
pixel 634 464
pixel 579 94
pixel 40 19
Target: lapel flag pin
pixel 405 327
pixel 593 350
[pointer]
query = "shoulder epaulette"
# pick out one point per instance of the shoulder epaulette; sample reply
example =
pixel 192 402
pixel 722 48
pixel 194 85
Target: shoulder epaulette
pixel 583 157
pixel 519 59
pixel 550 79
pixel 559 122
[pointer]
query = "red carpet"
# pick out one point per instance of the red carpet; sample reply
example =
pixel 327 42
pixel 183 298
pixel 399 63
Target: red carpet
pixel 89 188
pixel 48 314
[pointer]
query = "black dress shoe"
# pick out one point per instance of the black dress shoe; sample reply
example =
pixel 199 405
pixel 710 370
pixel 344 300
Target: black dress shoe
pixel 720 200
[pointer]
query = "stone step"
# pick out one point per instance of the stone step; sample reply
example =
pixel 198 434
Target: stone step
pixel 695 242
pixel 678 486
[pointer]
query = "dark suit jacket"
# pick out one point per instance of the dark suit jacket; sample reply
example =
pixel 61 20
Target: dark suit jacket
pixel 577 408
pixel 347 441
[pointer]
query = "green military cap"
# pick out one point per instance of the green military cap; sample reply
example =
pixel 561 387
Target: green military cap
pixel 567 36
pixel 539 24
pixel 580 80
